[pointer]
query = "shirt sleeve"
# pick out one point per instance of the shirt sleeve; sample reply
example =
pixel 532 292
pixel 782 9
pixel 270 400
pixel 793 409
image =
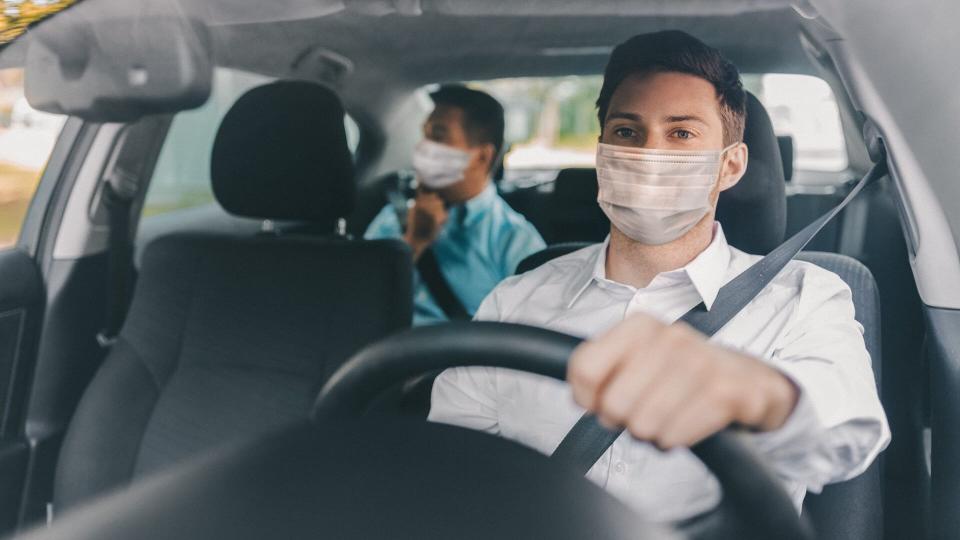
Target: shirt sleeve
pixel 838 426
pixel 384 225
pixel 467 396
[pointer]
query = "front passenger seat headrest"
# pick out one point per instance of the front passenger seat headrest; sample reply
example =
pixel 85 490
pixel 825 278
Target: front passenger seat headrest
pixel 281 153
pixel 754 212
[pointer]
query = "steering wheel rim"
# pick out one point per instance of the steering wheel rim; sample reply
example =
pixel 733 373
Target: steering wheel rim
pixel 752 490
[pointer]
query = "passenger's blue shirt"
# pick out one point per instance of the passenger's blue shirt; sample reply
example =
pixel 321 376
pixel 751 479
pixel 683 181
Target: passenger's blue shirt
pixel 480 245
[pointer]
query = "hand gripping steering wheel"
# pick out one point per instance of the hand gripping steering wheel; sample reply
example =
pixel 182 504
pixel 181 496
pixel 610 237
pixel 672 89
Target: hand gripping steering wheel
pixel 755 504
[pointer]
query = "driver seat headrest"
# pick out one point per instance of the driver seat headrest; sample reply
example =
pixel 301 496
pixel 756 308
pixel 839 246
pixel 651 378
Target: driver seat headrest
pixel 754 212
pixel 281 153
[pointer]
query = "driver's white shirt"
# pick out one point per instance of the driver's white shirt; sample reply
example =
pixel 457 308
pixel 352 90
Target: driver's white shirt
pixel 802 323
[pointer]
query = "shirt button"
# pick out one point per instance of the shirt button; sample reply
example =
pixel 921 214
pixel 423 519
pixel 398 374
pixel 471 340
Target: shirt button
pixel 620 467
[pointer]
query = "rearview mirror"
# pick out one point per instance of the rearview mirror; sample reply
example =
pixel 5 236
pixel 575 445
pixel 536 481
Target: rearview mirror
pixel 120 69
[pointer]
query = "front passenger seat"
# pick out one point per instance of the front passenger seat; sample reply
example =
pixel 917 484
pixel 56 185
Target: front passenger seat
pixel 228 336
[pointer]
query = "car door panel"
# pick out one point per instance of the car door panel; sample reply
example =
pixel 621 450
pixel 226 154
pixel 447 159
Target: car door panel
pixel 943 349
pixel 21 306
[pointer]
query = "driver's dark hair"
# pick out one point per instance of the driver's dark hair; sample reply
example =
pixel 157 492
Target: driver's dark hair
pixel 676 51
pixel 482 114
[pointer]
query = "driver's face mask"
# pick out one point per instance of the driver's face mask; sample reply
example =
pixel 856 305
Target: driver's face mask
pixel 438 165
pixel 656 196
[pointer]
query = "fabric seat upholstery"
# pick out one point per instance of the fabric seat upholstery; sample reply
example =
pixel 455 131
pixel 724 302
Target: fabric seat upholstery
pixel 227 336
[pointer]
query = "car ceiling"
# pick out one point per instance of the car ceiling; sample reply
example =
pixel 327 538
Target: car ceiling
pixel 415 50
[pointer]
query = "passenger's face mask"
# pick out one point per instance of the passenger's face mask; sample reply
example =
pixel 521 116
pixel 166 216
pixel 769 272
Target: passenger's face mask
pixel 438 165
pixel 656 196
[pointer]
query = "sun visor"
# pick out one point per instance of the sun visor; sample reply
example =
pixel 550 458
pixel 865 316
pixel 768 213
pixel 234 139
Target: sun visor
pixel 118 69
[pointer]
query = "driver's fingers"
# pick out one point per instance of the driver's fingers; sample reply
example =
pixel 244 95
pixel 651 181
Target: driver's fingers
pixel 681 383
pixel 593 362
pixel 640 370
pixel 695 420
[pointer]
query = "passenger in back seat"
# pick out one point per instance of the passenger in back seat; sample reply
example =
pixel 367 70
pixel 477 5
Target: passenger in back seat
pixel 464 237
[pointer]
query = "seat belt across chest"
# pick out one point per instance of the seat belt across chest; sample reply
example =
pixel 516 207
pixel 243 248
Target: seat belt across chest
pixel 588 440
pixel 429 269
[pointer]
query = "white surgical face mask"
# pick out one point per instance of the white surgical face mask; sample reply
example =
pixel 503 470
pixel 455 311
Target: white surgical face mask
pixel 656 196
pixel 438 165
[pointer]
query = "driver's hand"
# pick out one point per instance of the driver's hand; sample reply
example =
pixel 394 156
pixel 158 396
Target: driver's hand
pixel 425 220
pixel 666 384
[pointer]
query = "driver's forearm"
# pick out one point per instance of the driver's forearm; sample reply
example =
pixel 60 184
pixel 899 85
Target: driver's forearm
pixel 838 426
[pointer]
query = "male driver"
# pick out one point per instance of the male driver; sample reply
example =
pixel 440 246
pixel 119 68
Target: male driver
pixel 791 368
pixel 475 238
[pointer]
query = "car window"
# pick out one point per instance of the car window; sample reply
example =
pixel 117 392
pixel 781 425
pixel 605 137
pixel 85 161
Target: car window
pixel 804 108
pixel 551 122
pixel 27 137
pixel 181 178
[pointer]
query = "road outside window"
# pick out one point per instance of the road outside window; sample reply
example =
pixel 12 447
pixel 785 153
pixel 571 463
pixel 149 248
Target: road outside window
pixel 27 137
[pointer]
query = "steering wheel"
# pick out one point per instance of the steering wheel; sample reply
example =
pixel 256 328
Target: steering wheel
pixel 753 499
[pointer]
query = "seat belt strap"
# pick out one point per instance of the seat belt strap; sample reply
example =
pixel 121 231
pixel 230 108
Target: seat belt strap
pixel 587 441
pixel 120 258
pixel 119 191
pixel 436 283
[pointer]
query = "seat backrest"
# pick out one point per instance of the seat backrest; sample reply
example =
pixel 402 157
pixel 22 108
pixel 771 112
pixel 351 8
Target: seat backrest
pixel 230 336
pixel 853 509
pixel 573 214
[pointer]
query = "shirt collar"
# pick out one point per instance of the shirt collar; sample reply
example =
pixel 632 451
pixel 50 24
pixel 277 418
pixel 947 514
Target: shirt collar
pixel 474 209
pixel 707 271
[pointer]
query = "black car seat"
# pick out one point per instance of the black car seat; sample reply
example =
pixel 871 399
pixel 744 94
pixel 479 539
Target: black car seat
pixel 569 219
pixel 230 336
pixel 753 214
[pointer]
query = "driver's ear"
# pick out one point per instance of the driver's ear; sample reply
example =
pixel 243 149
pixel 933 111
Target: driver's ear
pixel 733 167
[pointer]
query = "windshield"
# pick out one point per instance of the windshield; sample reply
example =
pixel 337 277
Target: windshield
pixel 18 15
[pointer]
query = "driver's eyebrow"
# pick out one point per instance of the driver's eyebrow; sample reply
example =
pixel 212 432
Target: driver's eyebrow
pixel 623 115
pixel 684 118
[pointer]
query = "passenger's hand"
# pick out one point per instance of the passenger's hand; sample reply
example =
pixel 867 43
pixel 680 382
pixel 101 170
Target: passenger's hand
pixel 668 385
pixel 425 220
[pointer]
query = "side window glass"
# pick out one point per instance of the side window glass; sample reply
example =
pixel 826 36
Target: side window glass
pixel 804 108
pixel 551 122
pixel 181 178
pixel 27 137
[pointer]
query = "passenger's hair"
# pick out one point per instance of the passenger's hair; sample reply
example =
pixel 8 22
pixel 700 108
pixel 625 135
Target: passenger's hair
pixel 482 114
pixel 676 51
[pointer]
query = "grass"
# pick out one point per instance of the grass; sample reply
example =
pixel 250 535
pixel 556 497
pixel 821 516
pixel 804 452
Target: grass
pixel 578 141
pixel 17 185
pixel 187 199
